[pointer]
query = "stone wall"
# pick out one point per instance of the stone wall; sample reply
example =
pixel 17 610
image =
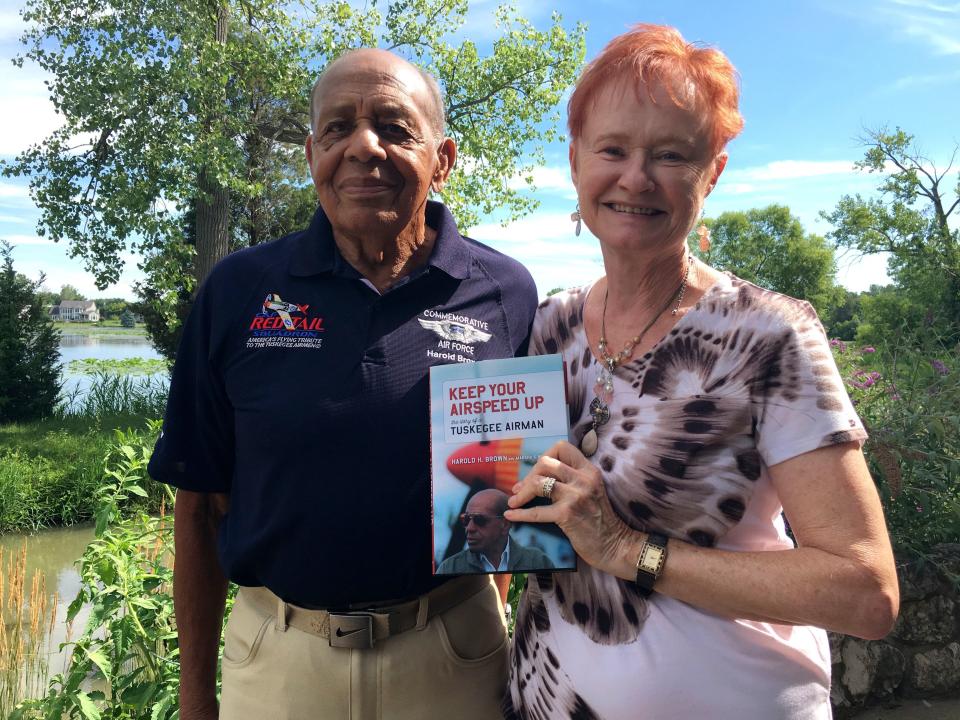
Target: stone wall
pixel 921 656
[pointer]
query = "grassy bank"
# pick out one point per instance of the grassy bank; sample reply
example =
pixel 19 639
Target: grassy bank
pixel 50 469
pixel 105 327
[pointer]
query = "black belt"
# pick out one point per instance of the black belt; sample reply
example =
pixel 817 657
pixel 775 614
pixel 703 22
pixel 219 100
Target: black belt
pixel 362 628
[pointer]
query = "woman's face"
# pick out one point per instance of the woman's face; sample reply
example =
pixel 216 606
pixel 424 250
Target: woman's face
pixel 642 168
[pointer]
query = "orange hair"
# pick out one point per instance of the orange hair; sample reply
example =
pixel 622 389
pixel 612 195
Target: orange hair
pixel 658 53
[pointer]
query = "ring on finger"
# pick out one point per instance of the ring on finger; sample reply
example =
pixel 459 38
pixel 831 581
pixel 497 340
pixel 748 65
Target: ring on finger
pixel 546 487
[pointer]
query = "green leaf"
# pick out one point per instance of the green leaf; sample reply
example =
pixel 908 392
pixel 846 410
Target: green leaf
pixel 87 707
pixel 101 661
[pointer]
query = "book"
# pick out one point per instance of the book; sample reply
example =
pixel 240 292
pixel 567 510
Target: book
pixel 490 421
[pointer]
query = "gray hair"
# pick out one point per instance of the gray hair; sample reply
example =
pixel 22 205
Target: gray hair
pixel 436 114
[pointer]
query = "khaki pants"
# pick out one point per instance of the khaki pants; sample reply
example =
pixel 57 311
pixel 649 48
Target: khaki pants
pixel 454 668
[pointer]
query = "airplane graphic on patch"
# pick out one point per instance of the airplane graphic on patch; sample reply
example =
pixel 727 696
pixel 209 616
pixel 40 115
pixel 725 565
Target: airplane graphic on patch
pixel 274 304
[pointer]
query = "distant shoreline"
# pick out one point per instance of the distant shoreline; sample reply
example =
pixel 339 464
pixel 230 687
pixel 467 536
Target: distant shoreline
pixel 76 328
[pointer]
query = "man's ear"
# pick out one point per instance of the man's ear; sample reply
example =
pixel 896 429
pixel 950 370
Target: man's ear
pixel 308 150
pixel 446 159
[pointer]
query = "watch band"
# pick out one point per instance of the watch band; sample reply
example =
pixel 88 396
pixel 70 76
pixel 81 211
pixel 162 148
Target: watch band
pixel 653 554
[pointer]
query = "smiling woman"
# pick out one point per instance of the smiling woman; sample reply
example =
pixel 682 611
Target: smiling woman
pixel 702 409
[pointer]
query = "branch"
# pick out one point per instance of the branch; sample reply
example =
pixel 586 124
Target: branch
pixel 286 130
pixel 479 101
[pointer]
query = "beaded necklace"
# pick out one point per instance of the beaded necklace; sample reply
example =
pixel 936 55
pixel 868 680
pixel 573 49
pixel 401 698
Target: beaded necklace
pixel 603 389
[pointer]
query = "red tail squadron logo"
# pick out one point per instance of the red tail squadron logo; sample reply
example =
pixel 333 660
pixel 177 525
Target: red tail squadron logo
pixel 284 324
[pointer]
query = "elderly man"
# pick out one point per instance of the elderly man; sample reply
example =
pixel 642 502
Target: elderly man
pixel 489 545
pixel 297 431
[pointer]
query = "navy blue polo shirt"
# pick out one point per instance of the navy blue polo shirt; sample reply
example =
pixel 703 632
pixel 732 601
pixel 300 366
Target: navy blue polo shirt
pixel 303 393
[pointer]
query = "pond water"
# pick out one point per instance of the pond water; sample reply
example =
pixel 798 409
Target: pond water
pixel 54 553
pixel 101 347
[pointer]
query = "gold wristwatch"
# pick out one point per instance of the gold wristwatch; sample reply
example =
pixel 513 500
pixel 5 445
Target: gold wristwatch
pixel 653 555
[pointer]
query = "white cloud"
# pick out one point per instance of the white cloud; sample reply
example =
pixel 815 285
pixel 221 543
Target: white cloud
pixel 911 81
pixel 26 240
pixel 935 24
pixel 544 242
pixel 8 190
pixel 11 24
pixel 34 118
pixel 13 219
pixel 545 178
pixel 786 170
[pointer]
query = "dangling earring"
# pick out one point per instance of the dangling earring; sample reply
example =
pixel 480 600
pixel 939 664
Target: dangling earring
pixel 704 233
pixel 575 217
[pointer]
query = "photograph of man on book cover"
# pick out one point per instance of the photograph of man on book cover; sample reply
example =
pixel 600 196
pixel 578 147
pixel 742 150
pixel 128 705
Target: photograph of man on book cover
pixel 470 496
pixel 490 548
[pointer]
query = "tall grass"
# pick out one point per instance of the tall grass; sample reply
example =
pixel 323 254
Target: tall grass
pixel 50 469
pixel 117 394
pixel 27 621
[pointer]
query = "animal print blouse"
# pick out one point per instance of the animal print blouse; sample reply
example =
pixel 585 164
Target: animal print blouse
pixel 743 381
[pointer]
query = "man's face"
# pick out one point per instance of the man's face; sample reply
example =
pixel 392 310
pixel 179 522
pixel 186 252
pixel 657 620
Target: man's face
pixel 374 154
pixel 487 533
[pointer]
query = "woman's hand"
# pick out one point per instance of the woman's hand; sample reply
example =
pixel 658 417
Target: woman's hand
pixel 579 505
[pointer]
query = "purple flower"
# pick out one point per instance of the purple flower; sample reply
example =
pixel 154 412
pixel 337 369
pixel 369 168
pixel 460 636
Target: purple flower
pixel 939 367
pixel 868 350
pixel 839 344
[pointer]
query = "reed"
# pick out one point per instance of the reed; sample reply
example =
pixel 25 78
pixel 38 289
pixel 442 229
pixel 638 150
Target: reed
pixel 27 618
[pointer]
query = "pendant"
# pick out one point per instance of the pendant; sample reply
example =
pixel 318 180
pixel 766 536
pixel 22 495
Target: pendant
pixel 599 412
pixel 589 442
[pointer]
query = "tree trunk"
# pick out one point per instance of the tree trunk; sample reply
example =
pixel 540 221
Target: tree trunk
pixel 213 225
pixel 213 199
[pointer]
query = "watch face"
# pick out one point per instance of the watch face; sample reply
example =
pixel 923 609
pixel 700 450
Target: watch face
pixel 652 559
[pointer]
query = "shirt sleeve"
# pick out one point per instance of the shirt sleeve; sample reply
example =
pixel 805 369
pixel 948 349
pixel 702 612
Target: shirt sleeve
pixel 806 405
pixel 195 450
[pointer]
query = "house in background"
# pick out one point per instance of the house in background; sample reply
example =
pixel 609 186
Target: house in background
pixel 75 311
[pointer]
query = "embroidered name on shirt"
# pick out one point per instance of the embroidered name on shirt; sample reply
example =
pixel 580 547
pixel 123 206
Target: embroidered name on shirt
pixel 285 325
pixel 457 333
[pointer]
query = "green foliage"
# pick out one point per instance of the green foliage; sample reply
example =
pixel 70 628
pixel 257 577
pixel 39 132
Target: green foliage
pixel 123 366
pixel 127 319
pixel 130 638
pixel 911 220
pixel 50 470
pixel 69 292
pixel 169 110
pixel 842 319
pixel 768 247
pixel 29 347
pixel 110 394
pixel 907 392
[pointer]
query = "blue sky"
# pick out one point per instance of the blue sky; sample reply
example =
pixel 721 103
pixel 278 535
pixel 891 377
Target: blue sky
pixel 814 75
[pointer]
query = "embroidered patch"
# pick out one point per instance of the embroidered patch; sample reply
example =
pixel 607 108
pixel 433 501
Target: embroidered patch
pixel 458 334
pixel 284 324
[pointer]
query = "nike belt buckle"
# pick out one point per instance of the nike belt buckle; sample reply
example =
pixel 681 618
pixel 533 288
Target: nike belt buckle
pixel 351 631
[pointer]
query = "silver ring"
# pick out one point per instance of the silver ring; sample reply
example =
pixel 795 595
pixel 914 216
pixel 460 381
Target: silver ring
pixel 546 488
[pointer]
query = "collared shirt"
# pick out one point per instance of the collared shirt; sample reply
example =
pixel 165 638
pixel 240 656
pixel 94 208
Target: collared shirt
pixel 504 560
pixel 302 393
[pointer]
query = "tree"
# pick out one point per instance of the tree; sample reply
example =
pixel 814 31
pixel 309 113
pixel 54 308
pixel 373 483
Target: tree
pixel 189 105
pixel 127 319
pixel 111 307
pixel 769 247
pixel 29 347
pixel 69 292
pixel 910 219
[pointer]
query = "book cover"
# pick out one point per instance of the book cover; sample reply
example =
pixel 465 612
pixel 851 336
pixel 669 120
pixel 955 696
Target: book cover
pixel 489 423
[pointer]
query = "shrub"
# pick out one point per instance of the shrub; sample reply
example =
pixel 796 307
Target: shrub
pixel 29 347
pixel 908 395
pixel 50 470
